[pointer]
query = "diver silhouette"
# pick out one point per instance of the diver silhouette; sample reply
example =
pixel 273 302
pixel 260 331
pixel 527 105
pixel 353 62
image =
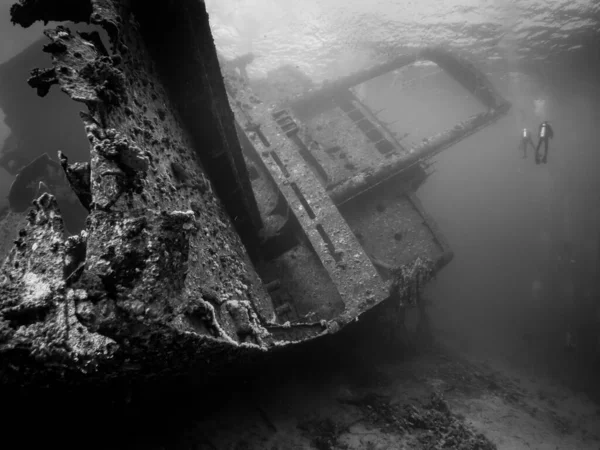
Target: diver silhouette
pixel 526 141
pixel 545 134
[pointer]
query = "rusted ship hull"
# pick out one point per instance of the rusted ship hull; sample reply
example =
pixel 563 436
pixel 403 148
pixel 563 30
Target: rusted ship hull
pixel 214 231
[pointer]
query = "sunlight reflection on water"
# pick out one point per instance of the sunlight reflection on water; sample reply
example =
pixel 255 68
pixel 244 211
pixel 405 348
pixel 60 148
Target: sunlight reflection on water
pixel 328 36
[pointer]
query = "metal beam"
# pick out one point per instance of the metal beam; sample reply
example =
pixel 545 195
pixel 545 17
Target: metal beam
pixel 375 175
pixel 347 264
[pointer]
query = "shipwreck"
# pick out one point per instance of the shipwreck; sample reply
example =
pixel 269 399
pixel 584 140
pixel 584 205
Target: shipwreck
pixel 219 223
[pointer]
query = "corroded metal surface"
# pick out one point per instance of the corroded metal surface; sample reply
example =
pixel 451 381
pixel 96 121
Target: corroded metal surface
pixel 159 280
pixel 10 222
pixel 348 266
pixel 38 314
pixel 379 173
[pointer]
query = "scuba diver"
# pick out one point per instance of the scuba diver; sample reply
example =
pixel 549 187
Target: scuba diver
pixel 525 141
pixel 545 134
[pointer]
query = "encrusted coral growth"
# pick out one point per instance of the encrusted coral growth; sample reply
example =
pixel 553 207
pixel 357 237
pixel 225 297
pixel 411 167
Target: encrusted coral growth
pixel 109 81
pixel 10 221
pixel 410 279
pixel 138 273
pixel 42 80
pixel 406 291
pixel 247 325
pixel 78 175
pixel 36 316
pixel 119 165
pixel 27 12
pixel 159 279
pixel 83 70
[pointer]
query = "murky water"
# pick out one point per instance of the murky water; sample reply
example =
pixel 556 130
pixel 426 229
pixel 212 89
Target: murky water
pixel 506 218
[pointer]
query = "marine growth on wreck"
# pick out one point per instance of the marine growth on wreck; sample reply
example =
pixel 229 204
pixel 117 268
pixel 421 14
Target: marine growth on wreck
pixel 214 225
